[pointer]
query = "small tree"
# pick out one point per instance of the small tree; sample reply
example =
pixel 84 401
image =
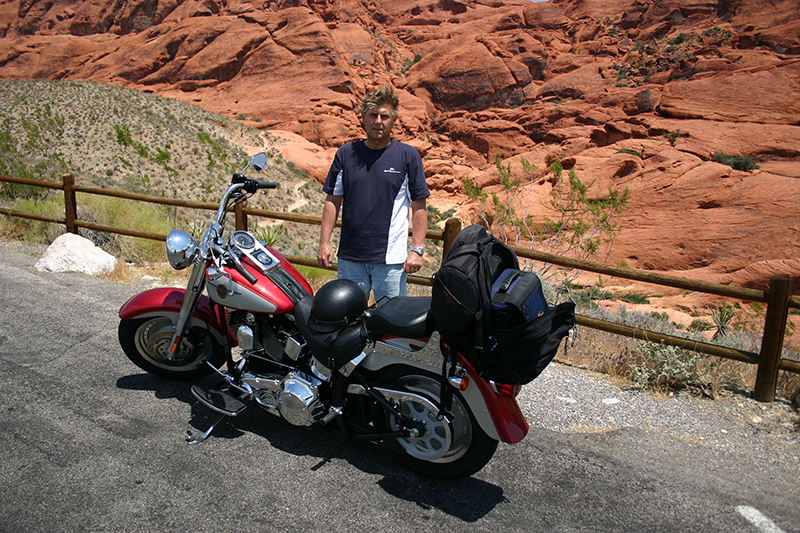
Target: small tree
pixel 581 227
pixel 222 160
pixel 161 158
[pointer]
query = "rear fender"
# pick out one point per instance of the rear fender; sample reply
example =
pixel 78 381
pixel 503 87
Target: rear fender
pixel 167 301
pixel 505 413
pixel 500 418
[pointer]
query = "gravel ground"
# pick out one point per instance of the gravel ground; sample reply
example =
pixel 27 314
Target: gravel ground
pixel 572 400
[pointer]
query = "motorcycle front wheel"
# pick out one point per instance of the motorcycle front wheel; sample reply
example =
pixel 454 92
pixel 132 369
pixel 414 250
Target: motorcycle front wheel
pixel 446 449
pixel 146 342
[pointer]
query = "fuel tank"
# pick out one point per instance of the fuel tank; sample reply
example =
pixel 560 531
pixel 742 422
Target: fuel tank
pixel 278 286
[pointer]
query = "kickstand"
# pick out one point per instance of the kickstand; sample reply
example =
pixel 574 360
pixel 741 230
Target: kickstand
pixel 191 439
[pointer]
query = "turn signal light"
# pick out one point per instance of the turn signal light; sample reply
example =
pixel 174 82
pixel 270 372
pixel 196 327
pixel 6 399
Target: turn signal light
pixel 460 383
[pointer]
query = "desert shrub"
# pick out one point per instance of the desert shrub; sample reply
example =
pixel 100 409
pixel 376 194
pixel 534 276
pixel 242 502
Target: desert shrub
pixel 634 298
pixel 128 214
pixel 680 39
pixel 269 234
pixel 664 368
pixel 582 225
pixel 631 152
pixel 34 231
pixel 739 162
pixel 317 277
pixel 673 136
pixel 435 216
pixel 37 156
pixel 700 325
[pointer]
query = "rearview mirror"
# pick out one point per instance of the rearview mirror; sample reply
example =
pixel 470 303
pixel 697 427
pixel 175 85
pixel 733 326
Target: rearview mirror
pixel 259 161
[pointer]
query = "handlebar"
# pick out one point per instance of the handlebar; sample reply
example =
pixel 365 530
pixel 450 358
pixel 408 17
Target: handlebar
pixel 241 268
pixel 251 185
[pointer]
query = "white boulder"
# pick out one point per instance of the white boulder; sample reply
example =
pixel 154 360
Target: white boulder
pixel 73 253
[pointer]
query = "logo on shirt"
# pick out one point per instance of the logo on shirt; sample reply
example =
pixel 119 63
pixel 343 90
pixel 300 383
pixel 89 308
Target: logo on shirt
pixel 391 170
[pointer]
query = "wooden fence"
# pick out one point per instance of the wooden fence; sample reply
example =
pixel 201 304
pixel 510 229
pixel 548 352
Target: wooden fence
pixel 778 297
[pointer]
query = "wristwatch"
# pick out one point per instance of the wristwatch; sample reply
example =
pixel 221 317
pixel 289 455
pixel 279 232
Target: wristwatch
pixel 419 251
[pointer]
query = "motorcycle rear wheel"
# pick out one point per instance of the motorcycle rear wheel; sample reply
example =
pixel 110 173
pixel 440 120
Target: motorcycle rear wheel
pixel 446 450
pixel 146 343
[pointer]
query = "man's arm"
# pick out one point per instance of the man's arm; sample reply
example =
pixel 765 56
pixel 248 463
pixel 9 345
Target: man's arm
pixel 330 212
pixel 419 226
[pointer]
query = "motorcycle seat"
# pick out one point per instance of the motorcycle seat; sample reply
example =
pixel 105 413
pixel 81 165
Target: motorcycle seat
pixel 402 316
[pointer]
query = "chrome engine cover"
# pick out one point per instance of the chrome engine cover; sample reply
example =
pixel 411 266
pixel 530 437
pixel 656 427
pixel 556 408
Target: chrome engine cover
pixel 294 397
pixel 298 400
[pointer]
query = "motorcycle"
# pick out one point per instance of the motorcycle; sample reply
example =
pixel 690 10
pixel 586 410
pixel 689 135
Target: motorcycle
pixel 261 336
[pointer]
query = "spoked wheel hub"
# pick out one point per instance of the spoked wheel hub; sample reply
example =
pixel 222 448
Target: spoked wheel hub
pixel 157 337
pixel 153 338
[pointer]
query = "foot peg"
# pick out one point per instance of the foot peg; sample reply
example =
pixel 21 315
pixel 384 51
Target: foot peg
pixel 208 393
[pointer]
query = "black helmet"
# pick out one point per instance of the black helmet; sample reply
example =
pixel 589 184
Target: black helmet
pixel 336 304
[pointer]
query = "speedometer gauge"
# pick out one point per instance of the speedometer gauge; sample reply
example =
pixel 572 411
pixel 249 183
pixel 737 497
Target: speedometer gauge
pixel 243 240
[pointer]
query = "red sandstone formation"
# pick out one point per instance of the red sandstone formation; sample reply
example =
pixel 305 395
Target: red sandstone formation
pixel 578 80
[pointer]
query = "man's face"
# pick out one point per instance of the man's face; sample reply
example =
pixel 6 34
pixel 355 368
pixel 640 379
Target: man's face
pixel 378 123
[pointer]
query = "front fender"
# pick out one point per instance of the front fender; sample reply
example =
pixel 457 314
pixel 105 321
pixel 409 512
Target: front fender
pixel 167 300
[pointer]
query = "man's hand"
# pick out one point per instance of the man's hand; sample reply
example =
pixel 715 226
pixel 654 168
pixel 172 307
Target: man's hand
pixel 419 223
pixel 325 255
pixel 330 212
pixel 413 263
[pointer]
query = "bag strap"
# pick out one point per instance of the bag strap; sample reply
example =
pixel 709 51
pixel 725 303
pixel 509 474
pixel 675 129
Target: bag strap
pixel 483 318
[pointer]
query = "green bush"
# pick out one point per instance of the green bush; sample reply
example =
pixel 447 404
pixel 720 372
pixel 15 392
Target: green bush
pixel 269 234
pixel 739 162
pixel 634 298
pixel 34 231
pixel 701 325
pixel 631 152
pixel 110 211
pixel 673 136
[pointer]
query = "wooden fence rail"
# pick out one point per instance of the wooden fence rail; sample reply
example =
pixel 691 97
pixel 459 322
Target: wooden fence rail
pixel 778 298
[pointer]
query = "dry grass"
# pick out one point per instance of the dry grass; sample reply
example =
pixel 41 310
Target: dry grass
pixel 662 369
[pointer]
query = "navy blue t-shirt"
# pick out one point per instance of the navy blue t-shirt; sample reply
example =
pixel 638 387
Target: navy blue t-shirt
pixel 377 187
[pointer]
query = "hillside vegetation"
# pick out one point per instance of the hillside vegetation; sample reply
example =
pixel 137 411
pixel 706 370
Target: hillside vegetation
pixel 119 138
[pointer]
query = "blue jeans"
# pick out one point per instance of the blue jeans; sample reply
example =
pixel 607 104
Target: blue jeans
pixel 386 281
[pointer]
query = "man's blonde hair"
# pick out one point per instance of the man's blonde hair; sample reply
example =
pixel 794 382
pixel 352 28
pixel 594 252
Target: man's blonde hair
pixel 384 95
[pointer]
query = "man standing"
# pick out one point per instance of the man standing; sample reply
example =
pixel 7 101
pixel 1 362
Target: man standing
pixel 374 182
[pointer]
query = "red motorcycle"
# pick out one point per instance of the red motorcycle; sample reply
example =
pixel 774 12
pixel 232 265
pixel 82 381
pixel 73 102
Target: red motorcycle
pixel 381 374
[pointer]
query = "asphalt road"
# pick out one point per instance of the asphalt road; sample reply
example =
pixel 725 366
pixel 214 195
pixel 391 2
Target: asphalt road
pixel 88 442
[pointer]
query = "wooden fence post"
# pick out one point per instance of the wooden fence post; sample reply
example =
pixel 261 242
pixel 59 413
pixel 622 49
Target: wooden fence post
pixel 70 205
pixel 241 216
pixel 452 227
pixel 780 289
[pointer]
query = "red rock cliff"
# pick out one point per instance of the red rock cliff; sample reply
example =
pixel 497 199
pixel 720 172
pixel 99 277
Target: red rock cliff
pixel 578 80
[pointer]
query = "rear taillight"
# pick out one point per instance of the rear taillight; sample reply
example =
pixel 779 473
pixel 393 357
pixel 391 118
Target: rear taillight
pixel 507 390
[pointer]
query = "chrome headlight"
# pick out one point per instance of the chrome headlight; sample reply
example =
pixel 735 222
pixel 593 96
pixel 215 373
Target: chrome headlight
pixel 181 249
